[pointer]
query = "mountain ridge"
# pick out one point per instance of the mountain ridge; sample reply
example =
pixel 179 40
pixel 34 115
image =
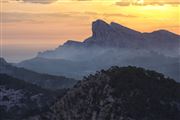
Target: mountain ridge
pixel 104 35
pixel 117 35
pixel 109 45
pixel 100 28
pixel 40 79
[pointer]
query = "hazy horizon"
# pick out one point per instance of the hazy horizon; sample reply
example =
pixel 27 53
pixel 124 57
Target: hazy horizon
pixel 90 59
pixel 30 27
pixel 17 53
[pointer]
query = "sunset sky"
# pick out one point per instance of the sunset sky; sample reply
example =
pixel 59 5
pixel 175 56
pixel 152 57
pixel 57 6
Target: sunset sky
pixel 30 26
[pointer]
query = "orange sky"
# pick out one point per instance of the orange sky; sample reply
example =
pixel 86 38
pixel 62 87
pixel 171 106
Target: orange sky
pixel 33 25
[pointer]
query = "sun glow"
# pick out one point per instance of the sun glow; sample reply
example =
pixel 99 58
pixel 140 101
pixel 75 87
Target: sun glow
pixel 140 2
pixel 54 23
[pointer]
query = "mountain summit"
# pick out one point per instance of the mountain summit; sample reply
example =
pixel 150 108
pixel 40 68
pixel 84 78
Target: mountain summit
pixel 116 35
pixel 100 28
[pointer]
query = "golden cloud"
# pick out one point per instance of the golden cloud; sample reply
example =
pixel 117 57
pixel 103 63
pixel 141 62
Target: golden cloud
pixel 36 1
pixel 147 2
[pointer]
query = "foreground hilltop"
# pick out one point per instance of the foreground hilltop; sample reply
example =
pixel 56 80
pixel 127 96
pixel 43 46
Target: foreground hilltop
pixel 126 93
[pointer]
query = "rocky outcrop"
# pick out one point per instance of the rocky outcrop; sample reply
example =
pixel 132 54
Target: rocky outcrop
pixel 127 93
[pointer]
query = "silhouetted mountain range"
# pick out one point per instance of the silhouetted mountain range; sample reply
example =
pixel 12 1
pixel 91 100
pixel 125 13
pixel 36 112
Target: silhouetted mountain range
pixel 116 35
pixel 111 44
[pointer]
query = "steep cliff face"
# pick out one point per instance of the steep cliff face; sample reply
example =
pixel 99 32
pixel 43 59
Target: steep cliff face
pixel 127 93
pixel 113 35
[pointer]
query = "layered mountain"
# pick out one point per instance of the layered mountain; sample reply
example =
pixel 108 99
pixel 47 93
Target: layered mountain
pixel 77 69
pixel 43 80
pixel 19 99
pixel 111 44
pixel 127 93
pixel 68 68
pixel 114 35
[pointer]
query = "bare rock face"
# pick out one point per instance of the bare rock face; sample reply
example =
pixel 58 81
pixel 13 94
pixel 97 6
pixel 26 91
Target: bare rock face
pixel 100 29
pixel 127 93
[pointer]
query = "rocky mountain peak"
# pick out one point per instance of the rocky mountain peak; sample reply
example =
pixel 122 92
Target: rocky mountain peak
pixel 100 28
pixel 100 23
